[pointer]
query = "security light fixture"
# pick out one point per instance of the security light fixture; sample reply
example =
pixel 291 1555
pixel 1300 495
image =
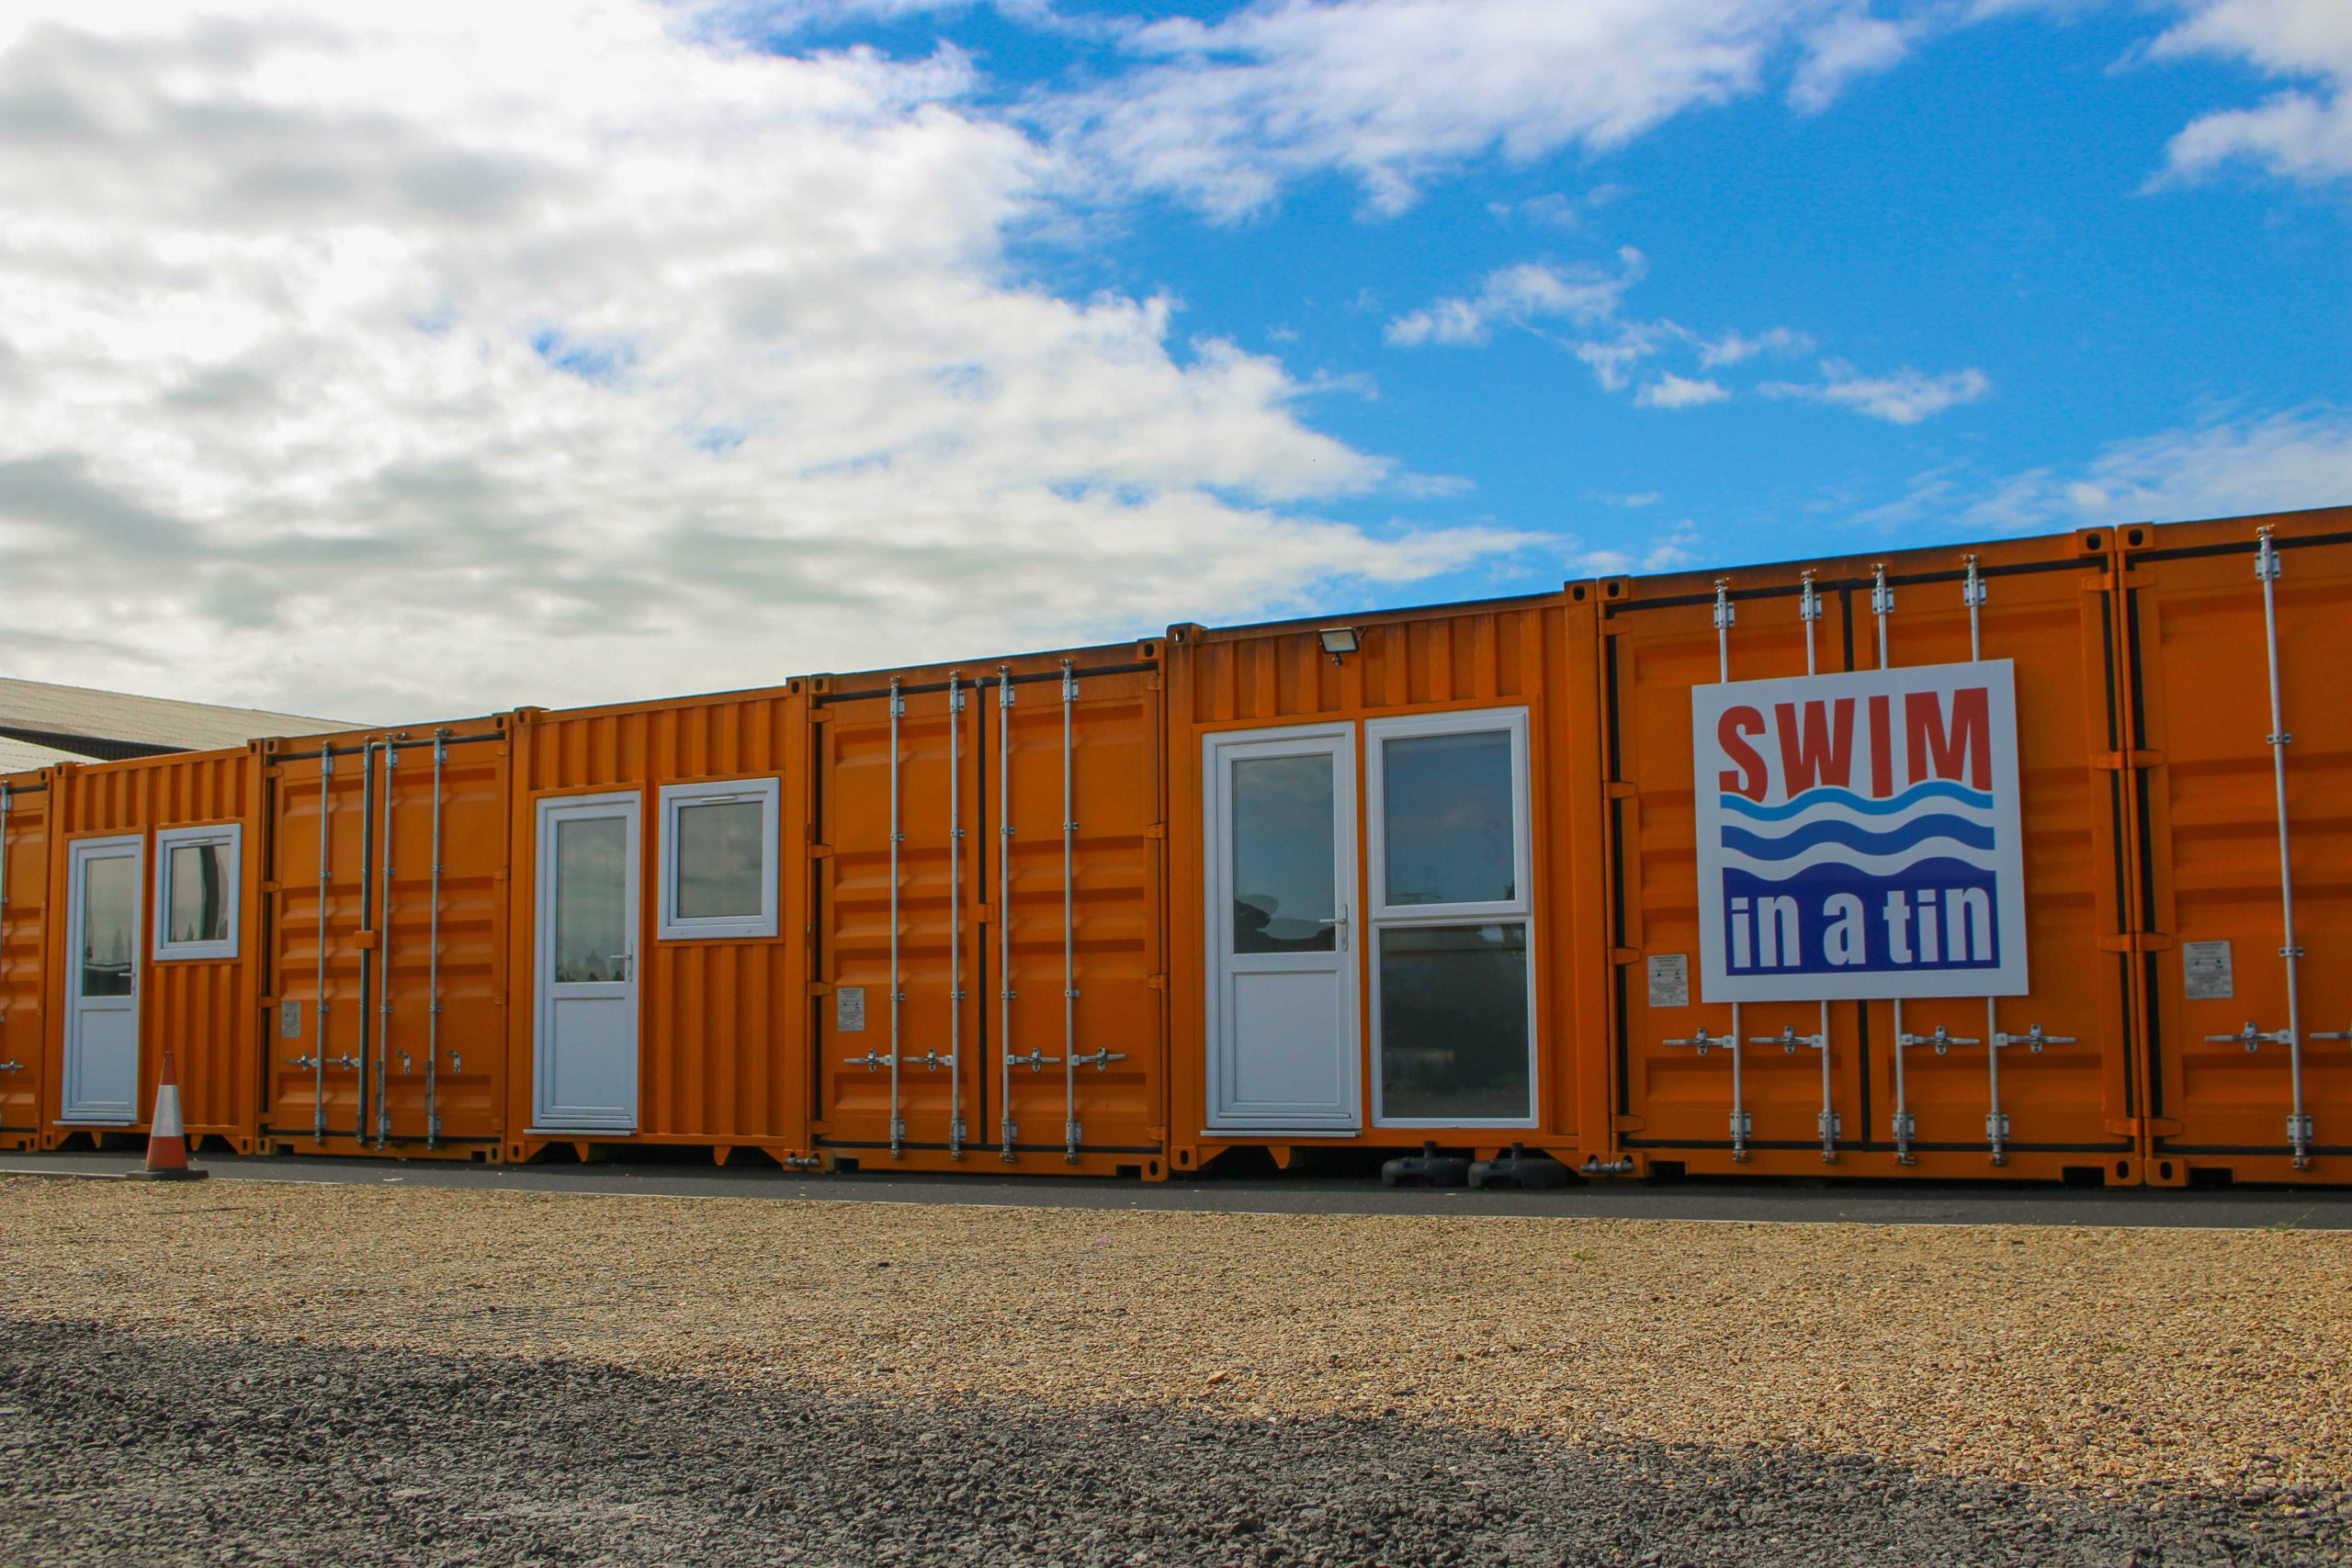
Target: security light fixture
pixel 1339 640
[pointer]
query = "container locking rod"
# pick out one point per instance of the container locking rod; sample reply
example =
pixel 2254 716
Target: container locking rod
pixel 1069 917
pixel 897 1125
pixel 2299 1122
pixel 1006 1130
pixel 432 960
pixel 1727 617
pixel 1907 1126
pixel 955 914
pixel 1703 1042
pixel 1997 1121
pixel 1788 1039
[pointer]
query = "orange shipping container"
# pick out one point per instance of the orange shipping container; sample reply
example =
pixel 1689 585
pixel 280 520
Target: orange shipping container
pixel 384 1026
pixel 989 868
pixel 2241 757
pixel 157 948
pixel 661 925
pixel 1384 908
pixel 2040 1084
pixel 23 918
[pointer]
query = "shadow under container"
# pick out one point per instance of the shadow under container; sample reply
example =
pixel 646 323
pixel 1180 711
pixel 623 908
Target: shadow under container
pixel 660 927
pixel 1385 883
pixel 2236 638
pixel 383 1016
pixel 24 959
pixel 154 944
pixel 2033 1086
pixel 987 877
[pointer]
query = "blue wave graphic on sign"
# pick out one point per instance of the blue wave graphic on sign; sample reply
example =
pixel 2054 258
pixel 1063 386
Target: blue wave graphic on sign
pixel 1830 796
pixel 1829 830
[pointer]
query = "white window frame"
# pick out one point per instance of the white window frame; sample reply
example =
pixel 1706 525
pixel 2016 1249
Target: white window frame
pixel 1382 916
pixel 672 927
pixel 169 839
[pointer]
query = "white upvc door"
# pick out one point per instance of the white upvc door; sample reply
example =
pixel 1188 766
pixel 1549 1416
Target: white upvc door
pixel 1281 883
pixel 585 1053
pixel 103 881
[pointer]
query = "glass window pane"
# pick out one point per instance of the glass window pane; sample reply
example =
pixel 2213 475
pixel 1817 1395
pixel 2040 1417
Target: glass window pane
pixel 1283 871
pixel 1446 799
pixel 719 859
pixel 590 894
pixel 196 882
pixel 1453 1024
pixel 110 913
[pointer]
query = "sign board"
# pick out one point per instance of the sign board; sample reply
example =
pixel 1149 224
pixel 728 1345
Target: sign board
pixel 1858 836
pixel 2205 970
pixel 1670 980
pixel 849 1010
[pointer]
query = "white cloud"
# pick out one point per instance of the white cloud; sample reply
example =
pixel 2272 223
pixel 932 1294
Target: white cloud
pixel 1678 547
pixel 1907 396
pixel 1521 294
pixel 2297 134
pixel 1672 391
pixel 1733 348
pixel 476 353
pixel 1848 46
pixel 2223 468
pixel 1392 93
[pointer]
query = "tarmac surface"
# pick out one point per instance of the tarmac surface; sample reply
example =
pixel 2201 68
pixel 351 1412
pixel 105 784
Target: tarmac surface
pixel 1732 1201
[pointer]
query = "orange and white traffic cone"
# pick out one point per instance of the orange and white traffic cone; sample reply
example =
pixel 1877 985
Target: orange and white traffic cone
pixel 166 1138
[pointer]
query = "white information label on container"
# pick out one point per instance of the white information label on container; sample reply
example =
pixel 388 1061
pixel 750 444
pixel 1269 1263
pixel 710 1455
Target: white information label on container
pixel 289 1020
pixel 1670 980
pixel 2205 966
pixel 849 1010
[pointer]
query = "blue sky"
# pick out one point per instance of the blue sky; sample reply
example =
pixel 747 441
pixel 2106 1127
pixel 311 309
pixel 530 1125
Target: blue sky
pixel 2001 203
pixel 552 353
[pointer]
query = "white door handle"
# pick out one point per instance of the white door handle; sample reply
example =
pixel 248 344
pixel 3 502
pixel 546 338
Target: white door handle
pixel 1339 923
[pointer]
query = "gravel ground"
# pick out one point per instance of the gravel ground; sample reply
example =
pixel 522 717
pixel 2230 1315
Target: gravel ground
pixel 264 1374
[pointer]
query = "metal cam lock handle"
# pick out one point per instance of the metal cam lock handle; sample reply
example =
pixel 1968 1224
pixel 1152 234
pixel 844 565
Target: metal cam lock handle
pixel 2250 1037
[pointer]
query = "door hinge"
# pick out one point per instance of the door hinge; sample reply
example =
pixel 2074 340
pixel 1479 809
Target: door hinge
pixel 1155 830
pixel 1627 1124
pixel 986 915
pixel 820 852
pixel 2116 761
pixel 1617 789
pixel 1155 982
pixel 821 988
pixel 2136 942
pixel 1624 955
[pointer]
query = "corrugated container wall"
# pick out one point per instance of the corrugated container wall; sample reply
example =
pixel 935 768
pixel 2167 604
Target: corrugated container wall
pixel 2235 638
pixel 386 1000
pixel 2037 1085
pixel 1384 838
pixel 24 992
pixel 661 925
pixel 988 886
pixel 159 946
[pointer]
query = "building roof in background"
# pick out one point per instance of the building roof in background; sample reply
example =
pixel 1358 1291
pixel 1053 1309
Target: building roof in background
pixel 24 757
pixel 57 713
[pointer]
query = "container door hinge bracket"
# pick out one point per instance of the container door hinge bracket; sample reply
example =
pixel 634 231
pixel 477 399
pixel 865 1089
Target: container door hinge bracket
pixel 1155 982
pixel 2118 762
pixel 1618 789
pixel 1155 830
pixel 1621 955
pixel 1627 1124
pixel 2136 942
pixel 820 852
pixel 821 988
